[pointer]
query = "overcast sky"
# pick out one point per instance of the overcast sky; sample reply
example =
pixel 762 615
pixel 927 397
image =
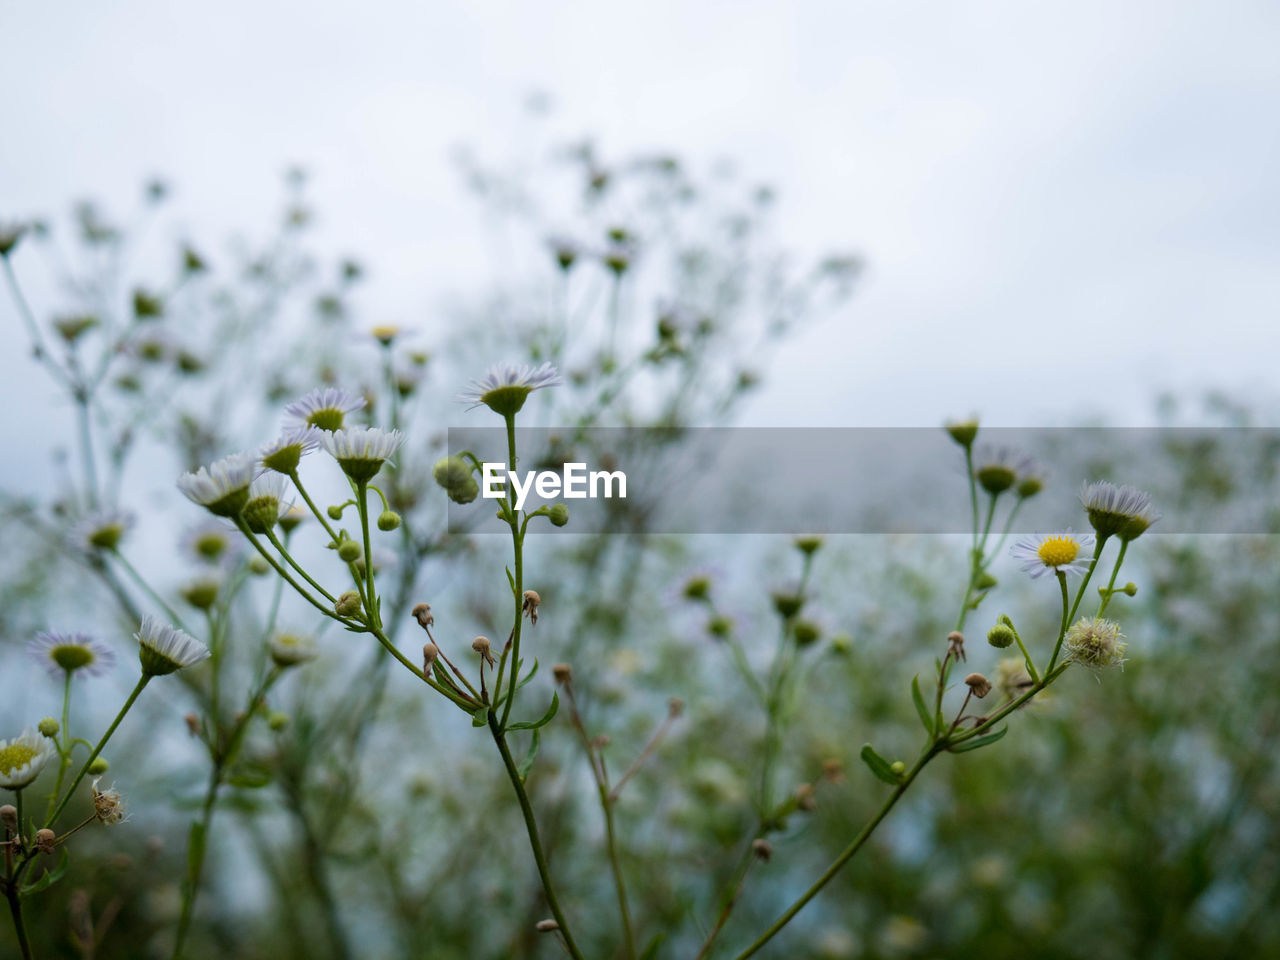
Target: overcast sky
pixel 1065 206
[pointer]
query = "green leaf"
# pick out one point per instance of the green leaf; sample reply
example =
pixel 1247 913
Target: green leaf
pixel 546 717
pixel 49 878
pixel 510 579
pixel 964 746
pixel 921 709
pixel 250 778
pixel 651 951
pixel 480 717
pixel 527 763
pixel 530 675
pixel 879 765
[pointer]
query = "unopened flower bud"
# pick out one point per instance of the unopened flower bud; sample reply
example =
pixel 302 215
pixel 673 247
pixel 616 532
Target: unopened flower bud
pixel 762 849
pixel 455 476
pixel 1130 588
pixel 898 768
pixel 277 721
pixel 963 432
pixel 1000 636
pixel 986 581
pixel 558 515
pixel 388 520
pixel 675 707
pixel 832 770
pixel 291 518
pixel 201 594
pixel 563 673
pixel 49 727
pixel 334 511
pixel 546 926
pixel 979 684
pixel 349 551
pixel 806 633
pixel 808 545
pixel 45 840
pixel 258 566
pixel 348 604
pixel 98 767
pixel 787 604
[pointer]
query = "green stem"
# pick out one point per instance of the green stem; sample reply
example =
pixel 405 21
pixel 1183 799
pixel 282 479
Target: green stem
pixel 64 759
pixel 146 588
pixel 1070 616
pixel 137 691
pixel 1111 584
pixel 841 860
pixel 284 575
pixel 86 448
pixel 517 546
pixel 611 845
pixel 328 528
pixel 288 557
pixel 531 826
pixel 15 907
pixel 196 851
pixel 371 598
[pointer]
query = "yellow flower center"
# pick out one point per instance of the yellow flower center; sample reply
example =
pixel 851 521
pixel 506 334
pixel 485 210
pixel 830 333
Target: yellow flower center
pixel 14 756
pixel 1058 551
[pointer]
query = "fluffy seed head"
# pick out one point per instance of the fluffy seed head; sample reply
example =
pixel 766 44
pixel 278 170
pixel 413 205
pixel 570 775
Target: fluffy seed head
pixel 1095 642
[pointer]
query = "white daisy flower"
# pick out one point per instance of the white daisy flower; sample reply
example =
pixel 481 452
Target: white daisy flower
pixel 162 648
pixel 266 502
pixel 285 452
pixel 1055 552
pixel 1095 642
pixel 361 451
pixel 504 389
pixel 23 757
pixel 222 487
pixel 101 530
pixel 291 649
pixel 1117 510
pixel 64 653
pixel 325 408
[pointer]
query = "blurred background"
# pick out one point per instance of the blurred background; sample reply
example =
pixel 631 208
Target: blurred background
pixel 808 215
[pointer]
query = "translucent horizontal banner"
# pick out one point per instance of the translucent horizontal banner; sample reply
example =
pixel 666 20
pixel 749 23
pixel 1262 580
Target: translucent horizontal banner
pixel 863 480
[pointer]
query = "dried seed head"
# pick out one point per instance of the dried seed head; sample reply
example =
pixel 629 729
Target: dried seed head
pixel 546 926
pixel 675 707
pixel 804 797
pixel 530 606
pixel 955 644
pixel 601 741
pixel 429 653
pixel 481 646
pixel 108 805
pixel 422 613
pixel 9 817
pixel 193 724
pixel 762 849
pixel 563 673
pixel 832 770
pixel 979 684
pixel 45 840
